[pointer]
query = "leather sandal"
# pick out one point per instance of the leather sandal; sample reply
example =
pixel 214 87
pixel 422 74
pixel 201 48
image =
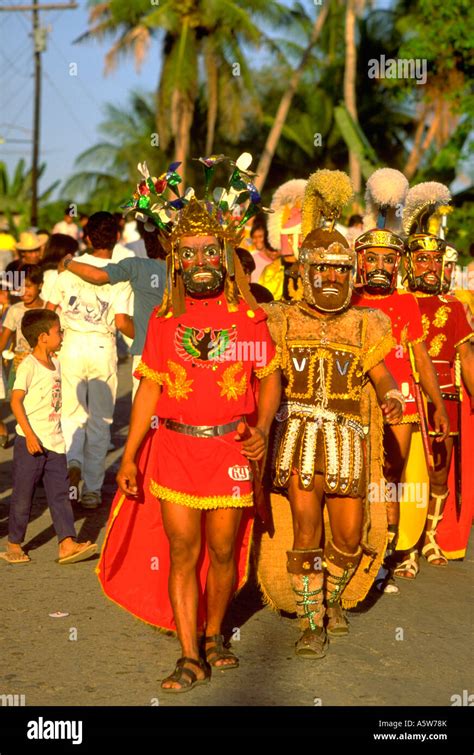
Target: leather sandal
pixel 408 566
pixel 312 643
pixel 186 676
pixel 337 625
pixel 218 653
pixel 432 552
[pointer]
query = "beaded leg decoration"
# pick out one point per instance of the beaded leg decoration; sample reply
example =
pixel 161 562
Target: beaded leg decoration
pixel 431 551
pixel 340 567
pixel 307 582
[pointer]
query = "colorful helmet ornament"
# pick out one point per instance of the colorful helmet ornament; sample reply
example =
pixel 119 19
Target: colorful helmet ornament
pixel 385 195
pixel 222 215
pixel 284 225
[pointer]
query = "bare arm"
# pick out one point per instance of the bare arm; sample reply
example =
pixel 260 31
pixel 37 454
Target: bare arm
pixel 5 336
pixel 268 403
pixel 466 355
pixel 383 381
pixel 125 324
pixel 430 385
pixel 33 443
pixel 143 410
pixel 50 305
pixel 88 273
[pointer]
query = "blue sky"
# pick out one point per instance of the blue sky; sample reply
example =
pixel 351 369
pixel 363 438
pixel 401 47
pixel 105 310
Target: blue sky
pixel 72 106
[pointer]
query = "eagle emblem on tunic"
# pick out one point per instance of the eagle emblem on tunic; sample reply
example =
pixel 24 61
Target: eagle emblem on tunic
pixel 205 347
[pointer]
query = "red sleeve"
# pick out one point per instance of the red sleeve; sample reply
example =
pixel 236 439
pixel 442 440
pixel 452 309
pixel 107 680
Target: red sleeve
pixel 152 361
pixel 413 315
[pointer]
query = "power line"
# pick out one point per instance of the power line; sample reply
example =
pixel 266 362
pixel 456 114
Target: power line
pixel 39 41
pixel 66 104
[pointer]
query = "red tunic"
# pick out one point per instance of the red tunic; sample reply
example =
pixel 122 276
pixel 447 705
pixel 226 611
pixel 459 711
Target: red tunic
pixel 403 310
pixel 206 361
pixel 445 327
pixel 134 564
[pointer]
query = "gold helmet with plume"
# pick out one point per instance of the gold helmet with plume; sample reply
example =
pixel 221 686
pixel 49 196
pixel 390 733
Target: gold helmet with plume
pixel 385 195
pixel 425 226
pixel 327 193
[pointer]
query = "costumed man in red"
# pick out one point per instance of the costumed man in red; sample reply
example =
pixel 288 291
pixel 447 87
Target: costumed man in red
pixel 188 483
pixel 319 445
pixel 448 338
pixel 379 251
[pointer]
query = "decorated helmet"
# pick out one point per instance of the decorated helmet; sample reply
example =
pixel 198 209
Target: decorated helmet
pixel 327 193
pixel 384 200
pixel 222 215
pixel 425 226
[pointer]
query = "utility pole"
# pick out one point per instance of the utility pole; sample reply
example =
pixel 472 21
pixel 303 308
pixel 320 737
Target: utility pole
pixel 39 46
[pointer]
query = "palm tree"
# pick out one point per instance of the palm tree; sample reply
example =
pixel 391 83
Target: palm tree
pixel 353 8
pixel 195 36
pixel 109 169
pixel 286 100
pixel 16 193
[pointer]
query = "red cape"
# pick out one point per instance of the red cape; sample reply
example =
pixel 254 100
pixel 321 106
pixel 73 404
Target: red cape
pixel 455 527
pixel 134 563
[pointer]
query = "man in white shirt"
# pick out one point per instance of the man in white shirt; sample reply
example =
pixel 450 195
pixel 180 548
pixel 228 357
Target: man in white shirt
pixel 90 317
pixel 68 226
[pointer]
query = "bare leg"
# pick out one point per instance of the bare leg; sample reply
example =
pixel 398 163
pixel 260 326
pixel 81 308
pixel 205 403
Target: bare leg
pixel 306 510
pixel 183 530
pixel 397 439
pixel 345 517
pixel 222 526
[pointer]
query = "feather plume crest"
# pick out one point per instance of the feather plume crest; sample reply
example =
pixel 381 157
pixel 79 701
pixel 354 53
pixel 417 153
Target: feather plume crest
pixel 386 191
pixel 287 195
pixel 327 193
pixel 422 201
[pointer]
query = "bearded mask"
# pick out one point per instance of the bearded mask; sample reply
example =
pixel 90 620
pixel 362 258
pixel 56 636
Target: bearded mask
pixel 202 268
pixel 422 274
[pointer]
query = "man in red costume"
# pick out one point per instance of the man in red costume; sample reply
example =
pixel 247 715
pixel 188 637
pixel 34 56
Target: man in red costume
pixel 447 334
pixel 206 350
pixel 379 251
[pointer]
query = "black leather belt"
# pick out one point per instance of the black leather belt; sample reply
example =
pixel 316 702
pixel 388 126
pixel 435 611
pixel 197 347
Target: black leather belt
pixel 201 431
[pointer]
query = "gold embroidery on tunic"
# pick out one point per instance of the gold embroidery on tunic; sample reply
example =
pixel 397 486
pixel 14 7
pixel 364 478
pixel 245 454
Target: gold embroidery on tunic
pixel 425 321
pixel 181 386
pixel 436 345
pixel 441 316
pixel 232 388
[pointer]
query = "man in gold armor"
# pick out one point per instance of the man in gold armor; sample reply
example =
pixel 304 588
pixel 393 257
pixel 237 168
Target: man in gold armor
pixel 328 351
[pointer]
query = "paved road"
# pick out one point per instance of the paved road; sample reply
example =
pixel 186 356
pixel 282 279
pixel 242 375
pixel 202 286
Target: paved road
pixel 411 649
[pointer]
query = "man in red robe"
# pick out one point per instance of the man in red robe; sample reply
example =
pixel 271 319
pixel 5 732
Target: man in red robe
pixel 207 349
pixel 448 337
pixel 379 251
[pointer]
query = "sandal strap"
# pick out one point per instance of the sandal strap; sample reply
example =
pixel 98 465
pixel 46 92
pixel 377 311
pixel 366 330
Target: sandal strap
pixel 437 552
pixel 409 564
pixel 215 638
pixel 199 663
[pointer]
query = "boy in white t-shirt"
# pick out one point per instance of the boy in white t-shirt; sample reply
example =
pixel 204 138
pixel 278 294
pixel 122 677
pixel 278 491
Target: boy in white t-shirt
pixel 39 451
pixel 90 317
